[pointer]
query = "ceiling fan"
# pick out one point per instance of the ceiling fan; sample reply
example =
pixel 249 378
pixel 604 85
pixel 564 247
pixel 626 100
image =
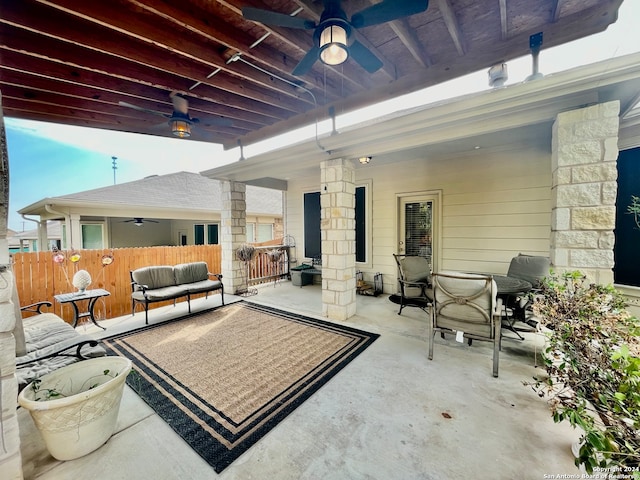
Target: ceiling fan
pixel 333 39
pixel 179 120
pixel 139 221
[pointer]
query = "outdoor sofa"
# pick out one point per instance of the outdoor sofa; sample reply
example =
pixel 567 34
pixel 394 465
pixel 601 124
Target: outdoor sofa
pixel 164 282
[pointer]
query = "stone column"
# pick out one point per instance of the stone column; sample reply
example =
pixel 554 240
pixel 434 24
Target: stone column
pixel 10 458
pixel 583 199
pixel 338 235
pixel 234 234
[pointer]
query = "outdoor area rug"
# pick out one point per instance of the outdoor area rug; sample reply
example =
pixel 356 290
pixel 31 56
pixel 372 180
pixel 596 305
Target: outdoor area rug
pixel 223 378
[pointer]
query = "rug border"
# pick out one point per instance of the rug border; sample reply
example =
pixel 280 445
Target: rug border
pixel 258 428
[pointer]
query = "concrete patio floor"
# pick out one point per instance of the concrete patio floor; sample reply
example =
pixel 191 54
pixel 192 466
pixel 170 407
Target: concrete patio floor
pixel 390 414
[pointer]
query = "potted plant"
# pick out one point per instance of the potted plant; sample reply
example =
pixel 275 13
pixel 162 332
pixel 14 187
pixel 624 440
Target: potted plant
pixel 75 407
pixel 592 363
pixel 245 254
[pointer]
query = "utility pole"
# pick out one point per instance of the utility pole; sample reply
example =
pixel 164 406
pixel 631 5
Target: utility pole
pixel 113 165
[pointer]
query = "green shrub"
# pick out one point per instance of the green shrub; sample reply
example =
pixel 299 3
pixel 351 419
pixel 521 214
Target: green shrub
pixel 593 368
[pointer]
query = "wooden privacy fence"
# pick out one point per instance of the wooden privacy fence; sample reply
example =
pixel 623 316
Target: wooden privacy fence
pixel 39 278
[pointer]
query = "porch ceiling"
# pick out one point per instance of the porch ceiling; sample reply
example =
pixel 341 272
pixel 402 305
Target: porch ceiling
pixel 520 114
pixel 73 61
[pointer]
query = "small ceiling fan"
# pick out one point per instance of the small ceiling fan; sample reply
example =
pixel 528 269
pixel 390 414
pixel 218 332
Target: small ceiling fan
pixel 139 221
pixel 179 120
pixel 333 38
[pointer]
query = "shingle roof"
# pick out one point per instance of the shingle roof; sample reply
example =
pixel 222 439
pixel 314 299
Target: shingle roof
pixel 187 190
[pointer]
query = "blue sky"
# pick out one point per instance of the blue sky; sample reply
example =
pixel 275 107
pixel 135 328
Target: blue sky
pixel 48 160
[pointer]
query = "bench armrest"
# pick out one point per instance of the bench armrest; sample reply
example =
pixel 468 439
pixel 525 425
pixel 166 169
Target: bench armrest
pixel 217 275
pixel 142 287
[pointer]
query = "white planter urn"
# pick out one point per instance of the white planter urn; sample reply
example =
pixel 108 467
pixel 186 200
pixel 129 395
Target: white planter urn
pixel 81 280
pixel 84 414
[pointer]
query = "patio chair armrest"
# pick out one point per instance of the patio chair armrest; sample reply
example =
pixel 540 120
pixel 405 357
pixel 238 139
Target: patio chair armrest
pixel 408 283
pixel 36 307
pixel 217 275
pixel 59 349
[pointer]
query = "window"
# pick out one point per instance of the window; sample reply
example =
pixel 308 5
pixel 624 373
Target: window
pixel 211 237
pixel 212 234
pixel 92 236
pixel 198 234
pixel 251 232
pixel 312 224
pixel 265 232
pixel 626 270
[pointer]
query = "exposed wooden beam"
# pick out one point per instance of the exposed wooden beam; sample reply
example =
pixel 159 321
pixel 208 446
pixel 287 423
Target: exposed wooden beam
pixel 555 10
pixel 504 26
pixel 453 26
pixel 410 40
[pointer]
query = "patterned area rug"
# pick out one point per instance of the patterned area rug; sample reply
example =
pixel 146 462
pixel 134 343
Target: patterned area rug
pixel 223 378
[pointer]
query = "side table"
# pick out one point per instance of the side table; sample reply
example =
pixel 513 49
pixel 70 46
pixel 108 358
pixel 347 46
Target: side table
pixel 91 296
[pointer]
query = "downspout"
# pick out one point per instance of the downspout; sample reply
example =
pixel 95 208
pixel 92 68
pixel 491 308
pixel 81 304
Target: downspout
pixel 42 240
pixel 67 222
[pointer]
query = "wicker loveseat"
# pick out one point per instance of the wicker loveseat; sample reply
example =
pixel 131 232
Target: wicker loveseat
pixel 164 282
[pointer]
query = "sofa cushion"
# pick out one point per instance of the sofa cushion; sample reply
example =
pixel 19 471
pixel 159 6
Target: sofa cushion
pixel 154 277
pixel 531 268
pixel 191 272
pixel 158 294
pixel 204 286
pixel 44 334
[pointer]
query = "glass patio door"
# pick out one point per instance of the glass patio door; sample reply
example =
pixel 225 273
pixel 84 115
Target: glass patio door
pixel 416 235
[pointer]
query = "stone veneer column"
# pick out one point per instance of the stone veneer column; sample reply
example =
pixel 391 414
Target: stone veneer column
pixel 583 200
pixel 10 458
pixel 234 234
pixel 338 234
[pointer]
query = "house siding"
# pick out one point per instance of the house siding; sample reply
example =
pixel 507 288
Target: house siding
pixel 495 204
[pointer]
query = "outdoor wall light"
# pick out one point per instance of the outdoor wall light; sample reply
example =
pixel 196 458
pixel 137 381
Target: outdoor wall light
pixel 364 160
pixel 180 127
pixel 333 45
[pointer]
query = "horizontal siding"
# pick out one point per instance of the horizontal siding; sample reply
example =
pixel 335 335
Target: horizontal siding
pixel 495 204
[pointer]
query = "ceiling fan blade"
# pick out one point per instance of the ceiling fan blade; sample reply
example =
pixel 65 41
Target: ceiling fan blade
pixel 364 57
pixel 180 104
pixel 141 109
pixel 276 19
pixel 387 11
pixel 307 62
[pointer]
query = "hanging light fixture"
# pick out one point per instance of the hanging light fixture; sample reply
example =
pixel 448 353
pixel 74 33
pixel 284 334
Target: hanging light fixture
pixel 333 45
pixel 180 126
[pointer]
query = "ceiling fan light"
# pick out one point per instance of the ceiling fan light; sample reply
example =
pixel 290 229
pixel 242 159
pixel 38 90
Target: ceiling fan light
pixel 180 127
pixel 333 45
pixel 138 223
